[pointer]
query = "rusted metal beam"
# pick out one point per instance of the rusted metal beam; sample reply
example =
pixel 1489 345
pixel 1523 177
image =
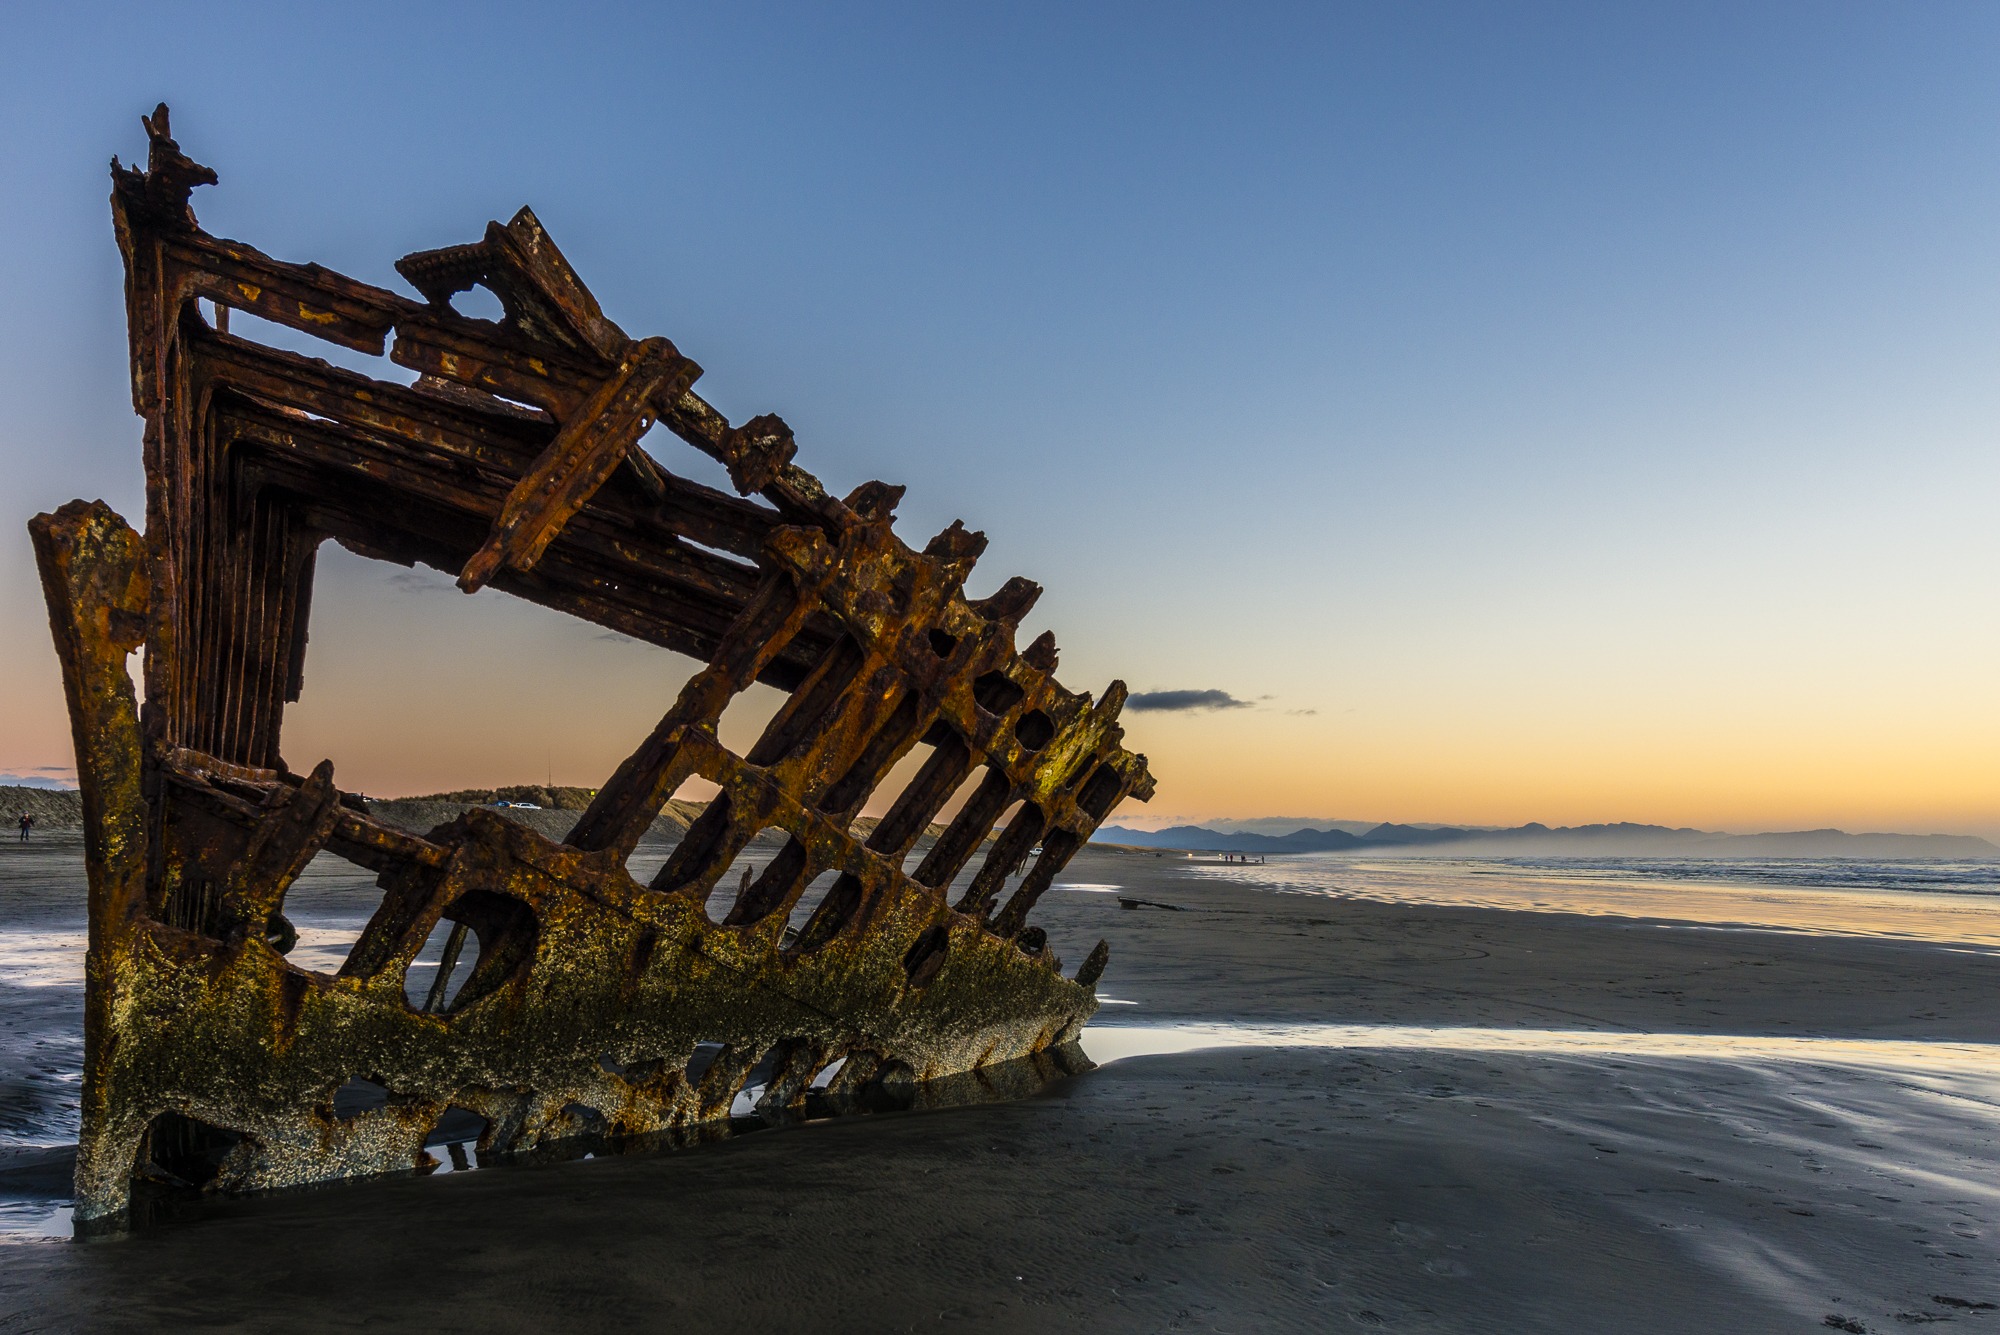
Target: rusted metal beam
pixel 578 461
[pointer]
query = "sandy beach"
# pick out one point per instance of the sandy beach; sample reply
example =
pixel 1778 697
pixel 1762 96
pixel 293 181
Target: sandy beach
pixel 1311 1112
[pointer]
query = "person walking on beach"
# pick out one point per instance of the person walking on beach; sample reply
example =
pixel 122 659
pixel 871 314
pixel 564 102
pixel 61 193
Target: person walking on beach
pixel 27 823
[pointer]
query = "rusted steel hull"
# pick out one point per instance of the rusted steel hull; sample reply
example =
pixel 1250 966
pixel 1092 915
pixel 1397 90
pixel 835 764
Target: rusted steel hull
pixel 211 1060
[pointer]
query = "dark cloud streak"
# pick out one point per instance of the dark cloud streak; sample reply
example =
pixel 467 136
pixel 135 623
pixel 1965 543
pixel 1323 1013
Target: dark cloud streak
pixel 1182 702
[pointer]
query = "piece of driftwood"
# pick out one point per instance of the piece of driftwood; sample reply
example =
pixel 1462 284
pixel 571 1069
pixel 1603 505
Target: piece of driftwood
pixel 514 461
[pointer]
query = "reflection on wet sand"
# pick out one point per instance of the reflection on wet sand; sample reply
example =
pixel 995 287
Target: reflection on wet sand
pixel 1917 901
pixel 1109 1043
pixel 33 1197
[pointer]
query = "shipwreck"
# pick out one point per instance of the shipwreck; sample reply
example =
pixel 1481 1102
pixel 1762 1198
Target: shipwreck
pixel 581 997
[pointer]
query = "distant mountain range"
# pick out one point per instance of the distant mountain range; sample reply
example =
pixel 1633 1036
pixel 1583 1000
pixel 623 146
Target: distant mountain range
pixel 1622 839
pixel 53 809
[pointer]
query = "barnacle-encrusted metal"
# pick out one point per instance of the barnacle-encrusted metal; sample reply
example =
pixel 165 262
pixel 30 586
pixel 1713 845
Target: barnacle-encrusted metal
pixel 210 1058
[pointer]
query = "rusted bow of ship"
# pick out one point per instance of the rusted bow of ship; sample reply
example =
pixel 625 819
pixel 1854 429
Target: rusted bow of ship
pixel 572 998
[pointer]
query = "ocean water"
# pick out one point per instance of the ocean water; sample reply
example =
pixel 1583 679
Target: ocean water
pixel 1919 899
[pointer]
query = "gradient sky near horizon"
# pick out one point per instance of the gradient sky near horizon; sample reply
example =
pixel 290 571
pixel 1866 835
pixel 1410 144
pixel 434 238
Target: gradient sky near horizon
pixel 1561 412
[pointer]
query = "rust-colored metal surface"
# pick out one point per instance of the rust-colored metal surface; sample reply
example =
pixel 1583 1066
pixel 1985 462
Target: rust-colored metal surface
pixel 583 997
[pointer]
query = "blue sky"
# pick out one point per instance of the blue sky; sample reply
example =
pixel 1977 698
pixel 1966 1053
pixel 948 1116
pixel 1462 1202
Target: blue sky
pixel 1562 412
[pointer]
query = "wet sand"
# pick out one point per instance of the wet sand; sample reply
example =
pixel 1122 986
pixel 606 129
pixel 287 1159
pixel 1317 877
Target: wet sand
pixel 1242 1188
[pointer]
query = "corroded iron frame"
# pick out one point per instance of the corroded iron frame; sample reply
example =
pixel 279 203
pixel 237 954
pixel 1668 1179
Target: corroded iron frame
pixel 514 460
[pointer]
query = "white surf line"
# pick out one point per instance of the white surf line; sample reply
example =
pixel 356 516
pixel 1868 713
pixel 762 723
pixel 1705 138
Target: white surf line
pixel 1111 1043
pixel 30 958
pixel 35 1221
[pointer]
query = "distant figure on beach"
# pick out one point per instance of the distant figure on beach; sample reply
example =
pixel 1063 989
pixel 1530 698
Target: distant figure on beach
pixel 27 823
